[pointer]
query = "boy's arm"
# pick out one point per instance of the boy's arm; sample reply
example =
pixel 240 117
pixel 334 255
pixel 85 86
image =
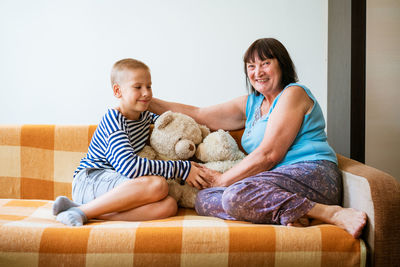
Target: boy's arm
pixel 124 160
pixel 154 117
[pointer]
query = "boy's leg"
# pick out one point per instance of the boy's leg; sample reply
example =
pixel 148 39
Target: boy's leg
pixel 72 217
pixel 80 186
pixel 128 195
pixel 105 191
pixel 164 208
pixel 62 203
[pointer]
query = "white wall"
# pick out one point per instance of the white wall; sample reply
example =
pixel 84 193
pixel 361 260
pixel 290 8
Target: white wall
pixel 55 56
pixel 382 135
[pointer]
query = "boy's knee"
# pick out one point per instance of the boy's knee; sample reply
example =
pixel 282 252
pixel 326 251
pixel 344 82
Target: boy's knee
pixel 158 187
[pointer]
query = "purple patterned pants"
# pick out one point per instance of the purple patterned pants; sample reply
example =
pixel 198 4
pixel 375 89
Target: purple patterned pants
pixel 279 196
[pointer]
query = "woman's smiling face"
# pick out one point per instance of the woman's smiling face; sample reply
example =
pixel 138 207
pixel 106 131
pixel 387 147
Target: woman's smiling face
pixel 264 75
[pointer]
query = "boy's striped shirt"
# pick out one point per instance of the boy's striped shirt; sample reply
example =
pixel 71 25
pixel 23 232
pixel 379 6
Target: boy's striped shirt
pixel 115 145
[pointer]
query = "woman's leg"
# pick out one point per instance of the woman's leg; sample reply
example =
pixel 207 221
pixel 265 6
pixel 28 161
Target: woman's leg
pixel 209 203
pixel 351 220
pixel 285 194
pixel 261 200
pixel 290 194
pixel 258 199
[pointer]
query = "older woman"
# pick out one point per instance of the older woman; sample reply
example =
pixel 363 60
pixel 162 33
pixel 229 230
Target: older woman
pixel 290 172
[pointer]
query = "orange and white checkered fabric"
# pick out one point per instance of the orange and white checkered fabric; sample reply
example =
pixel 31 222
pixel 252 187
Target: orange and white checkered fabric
pixel 30 236
pixel 36 165
pixel 38 161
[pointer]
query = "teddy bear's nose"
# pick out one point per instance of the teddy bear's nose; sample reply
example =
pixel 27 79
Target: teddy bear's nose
pixel 185 149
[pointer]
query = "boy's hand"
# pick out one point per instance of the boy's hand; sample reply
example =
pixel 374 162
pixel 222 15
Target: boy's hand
pixel 199 177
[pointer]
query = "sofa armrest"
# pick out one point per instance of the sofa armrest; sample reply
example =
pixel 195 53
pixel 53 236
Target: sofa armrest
pixel 378 194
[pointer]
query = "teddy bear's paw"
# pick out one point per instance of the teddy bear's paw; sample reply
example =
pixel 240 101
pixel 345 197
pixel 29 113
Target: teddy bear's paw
pixel 189 195
pixel 239 155
pixel 175 190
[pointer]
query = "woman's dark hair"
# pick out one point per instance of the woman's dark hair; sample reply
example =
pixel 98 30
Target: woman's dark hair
pixel 270 48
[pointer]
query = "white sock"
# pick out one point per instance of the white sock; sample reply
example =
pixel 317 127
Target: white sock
pixel 72 217
pixel 62 203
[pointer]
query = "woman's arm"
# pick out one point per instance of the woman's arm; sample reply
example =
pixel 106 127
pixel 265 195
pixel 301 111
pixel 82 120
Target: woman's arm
pixel 283 125
pixel 230 115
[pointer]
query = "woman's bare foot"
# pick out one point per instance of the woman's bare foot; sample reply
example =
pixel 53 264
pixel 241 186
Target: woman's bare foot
pixel 301 222
pixel 351 220
pixel 316 222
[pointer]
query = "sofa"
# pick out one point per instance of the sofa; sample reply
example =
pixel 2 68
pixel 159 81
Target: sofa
pixel 36 166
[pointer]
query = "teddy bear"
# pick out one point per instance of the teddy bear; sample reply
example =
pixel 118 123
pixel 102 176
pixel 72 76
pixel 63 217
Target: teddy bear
pixel 219 151
pixel 175 136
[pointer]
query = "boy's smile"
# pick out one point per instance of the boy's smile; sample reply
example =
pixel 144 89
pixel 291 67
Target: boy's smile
pixel 134 92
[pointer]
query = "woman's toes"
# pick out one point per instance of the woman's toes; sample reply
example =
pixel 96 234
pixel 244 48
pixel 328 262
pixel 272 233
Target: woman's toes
pixel 301 222
pixel 351 220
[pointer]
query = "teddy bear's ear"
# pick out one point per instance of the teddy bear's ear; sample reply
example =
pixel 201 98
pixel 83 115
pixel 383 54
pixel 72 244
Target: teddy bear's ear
pixel 204 130
pixel 164 120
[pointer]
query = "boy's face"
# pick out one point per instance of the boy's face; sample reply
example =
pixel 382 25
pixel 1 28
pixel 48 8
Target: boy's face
pixel 134 92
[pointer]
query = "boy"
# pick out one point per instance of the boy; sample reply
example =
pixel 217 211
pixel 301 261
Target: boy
pixel 112 182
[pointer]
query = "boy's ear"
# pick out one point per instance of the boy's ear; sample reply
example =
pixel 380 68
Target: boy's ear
pixel 116 90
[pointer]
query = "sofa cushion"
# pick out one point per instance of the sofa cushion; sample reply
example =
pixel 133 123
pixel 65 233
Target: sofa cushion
pixel 38 161
pixel 30 236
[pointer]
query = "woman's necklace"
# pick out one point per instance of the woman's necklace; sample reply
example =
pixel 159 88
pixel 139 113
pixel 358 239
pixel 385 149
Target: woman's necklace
pixel 264 108
pixel 258 114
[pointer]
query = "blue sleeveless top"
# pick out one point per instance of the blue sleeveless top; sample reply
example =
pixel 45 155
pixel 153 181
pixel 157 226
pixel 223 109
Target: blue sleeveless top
pixel 310 142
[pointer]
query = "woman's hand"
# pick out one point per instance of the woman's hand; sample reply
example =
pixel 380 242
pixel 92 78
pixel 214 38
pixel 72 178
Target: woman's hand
pixel 199 177
pixel 214 176
pixel 217 182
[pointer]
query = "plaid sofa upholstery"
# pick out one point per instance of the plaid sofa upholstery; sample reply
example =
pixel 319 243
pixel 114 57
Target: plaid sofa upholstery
pixel 37 163
pixel 36 160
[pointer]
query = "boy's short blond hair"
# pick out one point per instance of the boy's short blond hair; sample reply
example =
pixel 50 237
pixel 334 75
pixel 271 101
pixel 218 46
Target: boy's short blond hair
pixel 125 64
